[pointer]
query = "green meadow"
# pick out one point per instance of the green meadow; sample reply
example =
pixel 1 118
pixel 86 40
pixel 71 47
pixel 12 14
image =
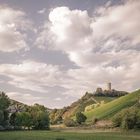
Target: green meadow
pixel 50 135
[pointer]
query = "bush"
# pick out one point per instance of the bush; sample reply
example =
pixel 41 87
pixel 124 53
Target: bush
pixel 94 120
pixel 69 122
pixel 41 121
pixel 80 118
pixel 8 127
pixel 1 117
pixel 1 128
pixel 117 119
pixel 138 120
pixel 26 120
pixel 127 119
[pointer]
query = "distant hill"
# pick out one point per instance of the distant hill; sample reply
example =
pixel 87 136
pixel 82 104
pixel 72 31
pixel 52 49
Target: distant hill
pixel 16 106
pixel 109 109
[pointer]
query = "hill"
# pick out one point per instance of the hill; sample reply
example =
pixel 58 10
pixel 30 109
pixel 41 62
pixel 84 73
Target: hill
pixel 109 109
pixel 79 106
pixel 16 106
pixel 109 93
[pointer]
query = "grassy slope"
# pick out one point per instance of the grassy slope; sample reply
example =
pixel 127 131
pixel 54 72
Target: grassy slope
pixel 44 135
pixel 105 99
pixel 85 101
pixel 79 105
pixel 109 109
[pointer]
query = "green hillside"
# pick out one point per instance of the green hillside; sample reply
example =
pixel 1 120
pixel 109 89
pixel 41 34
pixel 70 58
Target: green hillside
pixel 86 100
pixel 78 106
pixel 70 111
pixel 109 109
pixel 105 99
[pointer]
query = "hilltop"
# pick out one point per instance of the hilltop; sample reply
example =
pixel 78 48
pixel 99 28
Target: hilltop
pixel 79 106
pixel 87 102
pixel 107 110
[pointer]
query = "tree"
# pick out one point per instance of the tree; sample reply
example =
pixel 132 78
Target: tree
pixel 1 117
pixel 4 101
pixel 40 117
pixel 127 118
pixel 80 118
pixel 41 120
pixel 117 119
pixel 35 117
pixel 52 116
pixel 4 104
pixel 22 120
pixel 69 122
pixel 26 120
pixel 12 119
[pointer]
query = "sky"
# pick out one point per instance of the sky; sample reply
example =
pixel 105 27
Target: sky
pixel 53 51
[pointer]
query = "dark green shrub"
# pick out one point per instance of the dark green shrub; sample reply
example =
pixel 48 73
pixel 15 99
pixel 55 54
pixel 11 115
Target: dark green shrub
pixel 69 122
pixel 80 118
pixel 94 120
pixel 117 119
pixel 127 119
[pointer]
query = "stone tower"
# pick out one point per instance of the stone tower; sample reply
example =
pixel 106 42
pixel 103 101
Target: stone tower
pixel 109 86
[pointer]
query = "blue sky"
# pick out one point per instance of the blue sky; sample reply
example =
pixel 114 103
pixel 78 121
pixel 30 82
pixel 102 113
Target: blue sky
pixel 53 51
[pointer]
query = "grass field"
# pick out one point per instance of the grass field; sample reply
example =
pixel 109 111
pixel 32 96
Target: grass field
pixel 105 99
pixel 44 135
pixel 109 109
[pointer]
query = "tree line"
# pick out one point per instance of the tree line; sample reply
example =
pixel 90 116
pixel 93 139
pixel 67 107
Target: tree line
pixel 33 117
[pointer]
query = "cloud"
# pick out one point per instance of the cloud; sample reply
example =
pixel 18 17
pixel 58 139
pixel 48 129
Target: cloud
pixel 121 21
pixel 13 26
pixel 58 99
pixel 42 11
pixel 43 78
pixel 31 75
pixel 111 30
pixel 24 98
pixel 104 46
pixel 65 27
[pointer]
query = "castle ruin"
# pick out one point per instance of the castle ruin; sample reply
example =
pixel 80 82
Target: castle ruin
pixel 108 86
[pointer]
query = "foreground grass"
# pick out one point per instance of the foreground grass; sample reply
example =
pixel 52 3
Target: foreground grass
pixel 111 108
pixel 45 135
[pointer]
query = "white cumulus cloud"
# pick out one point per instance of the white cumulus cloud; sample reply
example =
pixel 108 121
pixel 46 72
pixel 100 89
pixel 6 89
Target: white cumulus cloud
pixel 105 46
pixel 13 24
